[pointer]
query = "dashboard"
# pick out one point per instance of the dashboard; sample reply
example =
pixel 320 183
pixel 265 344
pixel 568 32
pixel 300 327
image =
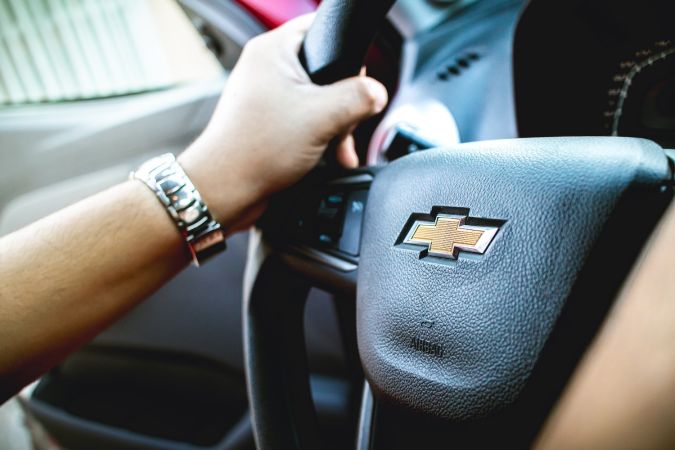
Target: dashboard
pixel 475 70
pixel 455 82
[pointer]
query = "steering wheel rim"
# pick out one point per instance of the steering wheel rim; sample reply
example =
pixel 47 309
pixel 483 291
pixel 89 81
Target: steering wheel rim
pixel 436 357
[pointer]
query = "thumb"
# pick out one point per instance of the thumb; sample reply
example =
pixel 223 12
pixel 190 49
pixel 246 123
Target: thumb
pixel 349 101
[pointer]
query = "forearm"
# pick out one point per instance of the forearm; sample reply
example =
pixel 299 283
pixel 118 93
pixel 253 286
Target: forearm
pixel 623 394
pixel 65 278
pixel 68 276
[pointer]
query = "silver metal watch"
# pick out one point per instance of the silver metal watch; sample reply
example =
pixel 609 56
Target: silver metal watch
pixel 167 179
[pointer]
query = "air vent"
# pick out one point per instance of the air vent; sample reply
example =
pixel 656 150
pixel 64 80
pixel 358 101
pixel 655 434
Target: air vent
pixel 457 66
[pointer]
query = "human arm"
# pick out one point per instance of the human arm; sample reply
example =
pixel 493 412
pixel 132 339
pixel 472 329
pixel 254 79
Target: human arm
pixel 66 277
pixel 622 396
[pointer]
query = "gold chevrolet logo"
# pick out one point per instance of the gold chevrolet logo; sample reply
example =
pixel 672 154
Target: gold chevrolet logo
pixel 448 235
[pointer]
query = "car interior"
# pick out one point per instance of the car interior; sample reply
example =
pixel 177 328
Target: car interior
pixel 334 323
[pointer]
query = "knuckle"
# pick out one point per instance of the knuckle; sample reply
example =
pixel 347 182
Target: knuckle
pixel 253 45
pixel 365 93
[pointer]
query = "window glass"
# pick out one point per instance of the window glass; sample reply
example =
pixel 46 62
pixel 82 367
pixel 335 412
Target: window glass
pixel 65 50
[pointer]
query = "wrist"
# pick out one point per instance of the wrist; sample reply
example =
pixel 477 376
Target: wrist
pixel 226 189
pixel 166 178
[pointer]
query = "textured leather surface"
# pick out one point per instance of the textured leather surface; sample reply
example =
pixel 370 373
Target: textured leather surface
pixel 491 314
pixel 336 44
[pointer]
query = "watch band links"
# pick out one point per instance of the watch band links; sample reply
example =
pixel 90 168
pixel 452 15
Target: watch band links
pixel 167 179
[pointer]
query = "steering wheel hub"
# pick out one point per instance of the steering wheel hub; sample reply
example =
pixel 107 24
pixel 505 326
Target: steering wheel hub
pixel 459 338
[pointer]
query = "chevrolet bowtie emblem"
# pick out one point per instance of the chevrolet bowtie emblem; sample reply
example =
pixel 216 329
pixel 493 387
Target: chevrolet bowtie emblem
pixel 448 235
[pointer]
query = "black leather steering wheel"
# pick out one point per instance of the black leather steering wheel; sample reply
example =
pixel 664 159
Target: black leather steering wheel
pixel 480 272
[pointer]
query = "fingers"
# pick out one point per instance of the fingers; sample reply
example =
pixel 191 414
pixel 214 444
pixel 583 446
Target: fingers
pixel 350 101
pixel 287 36
pixel 288 39
pixel 298 25
pixel 292 32
pixel 346 152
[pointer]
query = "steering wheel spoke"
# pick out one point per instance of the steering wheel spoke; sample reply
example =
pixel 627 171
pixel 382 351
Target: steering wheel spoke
pixel 315 227
pixel 309 237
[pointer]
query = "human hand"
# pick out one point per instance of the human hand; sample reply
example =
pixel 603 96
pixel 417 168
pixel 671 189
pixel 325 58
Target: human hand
pixel 272 125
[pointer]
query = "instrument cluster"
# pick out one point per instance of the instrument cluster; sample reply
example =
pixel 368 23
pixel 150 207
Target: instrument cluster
pixel 596 67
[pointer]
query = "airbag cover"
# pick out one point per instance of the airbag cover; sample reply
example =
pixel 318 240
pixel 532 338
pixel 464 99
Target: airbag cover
pixel 459 338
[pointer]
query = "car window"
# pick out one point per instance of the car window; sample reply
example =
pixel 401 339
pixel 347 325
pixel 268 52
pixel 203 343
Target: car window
pixel 70 50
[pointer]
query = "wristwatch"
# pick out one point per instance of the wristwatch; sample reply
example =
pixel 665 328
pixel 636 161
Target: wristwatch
pixel 167 179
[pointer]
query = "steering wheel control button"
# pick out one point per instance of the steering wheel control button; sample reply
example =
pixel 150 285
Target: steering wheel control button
pixel 326 238
pixel 449 234
pixel 329 218
pixel 350 242
pixel 331 206
pixel 326 218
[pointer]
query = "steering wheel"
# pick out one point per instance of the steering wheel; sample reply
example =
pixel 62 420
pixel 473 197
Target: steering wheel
pixel 480 272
